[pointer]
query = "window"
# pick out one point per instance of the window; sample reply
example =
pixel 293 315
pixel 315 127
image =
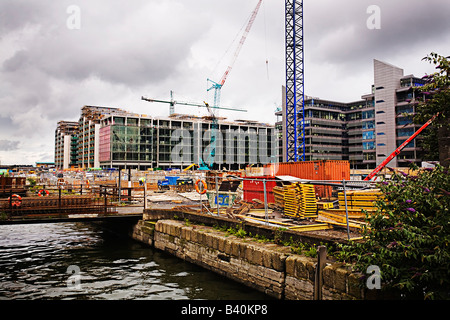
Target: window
pixel 380 134
pixel 404 121
pixel 145 123
pixel 132 121
pixel 405 109
pixel 368 135
pixel 370 145
pixel 368 124
pixel 381 144
pixel 368 114
pixel 405 132
pixel 119 120
pixel 369 156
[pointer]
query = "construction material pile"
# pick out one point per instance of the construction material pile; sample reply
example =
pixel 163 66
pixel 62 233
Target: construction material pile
pixel 360 199
pixel 359 202
pixel 298 200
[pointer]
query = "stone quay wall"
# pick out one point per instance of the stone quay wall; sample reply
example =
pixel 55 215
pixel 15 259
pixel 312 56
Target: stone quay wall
pixel 267 267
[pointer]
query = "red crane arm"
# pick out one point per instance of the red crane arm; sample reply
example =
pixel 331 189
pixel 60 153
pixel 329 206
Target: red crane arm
pixel 241 42
pixel 399 149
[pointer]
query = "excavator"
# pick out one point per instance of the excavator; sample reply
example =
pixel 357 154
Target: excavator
pixel 202 166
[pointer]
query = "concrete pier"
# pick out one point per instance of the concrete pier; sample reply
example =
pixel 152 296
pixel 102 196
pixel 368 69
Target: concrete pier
pixel 267 267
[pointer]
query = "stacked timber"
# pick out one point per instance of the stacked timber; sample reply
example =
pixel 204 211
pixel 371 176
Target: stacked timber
pixel 360 199
pixel 308 202
pixel 278 193
pixel 298 200
pixel 292 201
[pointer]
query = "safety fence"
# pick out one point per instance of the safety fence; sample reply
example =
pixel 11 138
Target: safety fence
pixel 56 202
pixel 299 199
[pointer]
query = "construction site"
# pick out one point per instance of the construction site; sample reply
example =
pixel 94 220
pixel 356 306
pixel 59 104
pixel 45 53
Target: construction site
pixel 256 202
pixel 318 197
pixel 295 174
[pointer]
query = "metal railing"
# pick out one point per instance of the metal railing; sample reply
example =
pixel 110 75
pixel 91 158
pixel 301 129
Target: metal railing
pixel 338 186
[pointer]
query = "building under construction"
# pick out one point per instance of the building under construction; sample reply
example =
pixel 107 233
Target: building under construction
pixel 66 144
pixel 114 138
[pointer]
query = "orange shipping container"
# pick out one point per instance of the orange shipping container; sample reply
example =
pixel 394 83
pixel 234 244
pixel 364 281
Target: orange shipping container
pixel 314 170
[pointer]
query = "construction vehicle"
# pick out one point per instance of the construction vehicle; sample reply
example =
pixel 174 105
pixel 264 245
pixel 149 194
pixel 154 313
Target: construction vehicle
pixel 191 166
pixel 398 150
pixel 185 184
pixel 163 184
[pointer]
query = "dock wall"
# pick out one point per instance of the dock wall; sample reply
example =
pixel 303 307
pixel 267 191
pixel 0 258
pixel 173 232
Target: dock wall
pixel 267 267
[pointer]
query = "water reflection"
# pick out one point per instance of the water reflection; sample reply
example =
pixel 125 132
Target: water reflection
pixel 34 260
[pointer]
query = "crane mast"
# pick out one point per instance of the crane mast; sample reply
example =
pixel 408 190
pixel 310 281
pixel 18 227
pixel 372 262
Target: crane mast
pixel 295 97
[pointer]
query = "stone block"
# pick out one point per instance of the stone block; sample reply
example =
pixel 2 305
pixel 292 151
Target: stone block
pixel 257 255
pixel 354 288
pixel 235 249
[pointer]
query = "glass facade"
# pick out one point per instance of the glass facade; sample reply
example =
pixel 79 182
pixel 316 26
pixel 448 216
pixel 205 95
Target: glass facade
pixel 130 142
pixel 368 135
pixel 146 142
pixel 369 145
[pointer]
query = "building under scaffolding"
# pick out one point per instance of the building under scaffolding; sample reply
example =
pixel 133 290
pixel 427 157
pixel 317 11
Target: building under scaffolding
pixel 66 137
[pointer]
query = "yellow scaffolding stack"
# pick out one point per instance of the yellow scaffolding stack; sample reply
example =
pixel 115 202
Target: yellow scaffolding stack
pixel 361 199
pixel 300 201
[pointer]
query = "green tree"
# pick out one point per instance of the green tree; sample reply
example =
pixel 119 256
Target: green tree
pixel 437 100
pixel 408 237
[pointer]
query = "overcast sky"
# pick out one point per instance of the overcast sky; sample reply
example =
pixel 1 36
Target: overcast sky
pixel 52 63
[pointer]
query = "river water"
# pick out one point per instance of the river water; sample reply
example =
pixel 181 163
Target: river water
pixel 87 261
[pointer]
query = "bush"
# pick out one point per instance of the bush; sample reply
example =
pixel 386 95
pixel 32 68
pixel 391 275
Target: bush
pixel 409 236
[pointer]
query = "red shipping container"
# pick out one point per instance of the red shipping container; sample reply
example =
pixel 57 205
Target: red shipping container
pixel 314 170
pixel 254 189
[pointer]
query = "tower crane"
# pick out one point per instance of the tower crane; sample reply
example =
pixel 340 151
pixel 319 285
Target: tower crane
pixel 214 123
pixel 295 97
pixel 174 102
pixel 217 86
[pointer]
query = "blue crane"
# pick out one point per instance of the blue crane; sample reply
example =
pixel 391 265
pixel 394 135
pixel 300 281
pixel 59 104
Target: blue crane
pixel 295 96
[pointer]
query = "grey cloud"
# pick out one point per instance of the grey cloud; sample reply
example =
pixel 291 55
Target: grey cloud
pixel 118 44
pixel 343 37
pixel 8 145
pixel 127 49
